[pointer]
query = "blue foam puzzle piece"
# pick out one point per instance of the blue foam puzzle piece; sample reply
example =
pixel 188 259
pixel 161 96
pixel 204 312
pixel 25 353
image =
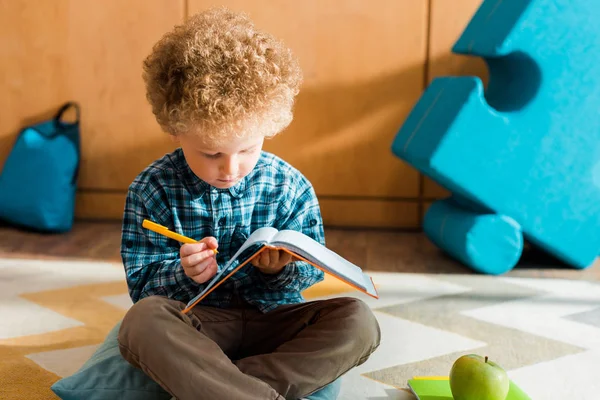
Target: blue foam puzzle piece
pixel 529 147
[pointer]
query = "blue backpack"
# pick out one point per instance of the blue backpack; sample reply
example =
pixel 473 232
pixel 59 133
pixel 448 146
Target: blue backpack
pixel 39 179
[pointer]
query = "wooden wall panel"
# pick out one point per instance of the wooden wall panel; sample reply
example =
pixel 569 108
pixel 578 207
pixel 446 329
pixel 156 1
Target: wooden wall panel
pixel 90 52
pixel 370 213
pixel 363 73
pixel 364 69
pixel 448 20
pixel 100 205
pixel 33 76
pixel 107 43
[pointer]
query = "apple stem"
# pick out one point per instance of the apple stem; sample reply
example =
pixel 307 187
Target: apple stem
pixel 486 358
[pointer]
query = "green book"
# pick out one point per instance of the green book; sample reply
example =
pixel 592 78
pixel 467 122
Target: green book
pixel 438 388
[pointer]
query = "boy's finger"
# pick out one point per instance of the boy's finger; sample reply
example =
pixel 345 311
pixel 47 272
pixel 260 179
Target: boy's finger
pixel 196 258
pixel 191 248
pixel 194 271
pixel 207 273
pixel 273 257
pixel 285 258
pixel 198 268
pixel 210 242
pixel 264 258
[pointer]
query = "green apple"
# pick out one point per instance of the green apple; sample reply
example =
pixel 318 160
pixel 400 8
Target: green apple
pixel 474 377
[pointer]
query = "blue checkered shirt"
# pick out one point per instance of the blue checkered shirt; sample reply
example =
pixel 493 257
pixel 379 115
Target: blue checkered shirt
pixel 169 193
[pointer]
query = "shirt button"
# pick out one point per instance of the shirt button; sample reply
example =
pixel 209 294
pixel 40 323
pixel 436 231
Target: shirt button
pixel 222 222
pixel 313 222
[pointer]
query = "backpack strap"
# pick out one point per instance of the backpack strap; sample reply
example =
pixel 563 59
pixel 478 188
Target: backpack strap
pixel 59 114
pixel 62 128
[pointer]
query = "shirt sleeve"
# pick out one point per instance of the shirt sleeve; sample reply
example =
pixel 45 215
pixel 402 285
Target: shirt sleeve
pixel 151 261
pixel 302 214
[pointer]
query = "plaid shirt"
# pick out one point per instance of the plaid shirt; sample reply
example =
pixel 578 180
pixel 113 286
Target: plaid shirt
pixel 169 193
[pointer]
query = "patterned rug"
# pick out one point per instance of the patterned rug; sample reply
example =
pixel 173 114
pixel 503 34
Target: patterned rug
pixel 545 332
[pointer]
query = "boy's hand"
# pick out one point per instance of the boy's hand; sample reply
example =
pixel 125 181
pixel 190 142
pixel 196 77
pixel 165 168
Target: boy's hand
pixel 271 261
pixel 198 259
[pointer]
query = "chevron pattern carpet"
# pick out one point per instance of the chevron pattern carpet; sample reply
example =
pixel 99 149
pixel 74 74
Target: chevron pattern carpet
pixel 545 332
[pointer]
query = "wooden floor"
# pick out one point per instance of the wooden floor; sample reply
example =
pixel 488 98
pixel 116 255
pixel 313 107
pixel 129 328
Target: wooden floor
pixel 372 250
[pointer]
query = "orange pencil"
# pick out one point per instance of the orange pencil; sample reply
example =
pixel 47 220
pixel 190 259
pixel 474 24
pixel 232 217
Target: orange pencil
pixel 154 227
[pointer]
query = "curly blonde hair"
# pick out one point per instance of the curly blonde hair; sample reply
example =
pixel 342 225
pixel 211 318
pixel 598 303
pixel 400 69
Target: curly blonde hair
pixel 217 75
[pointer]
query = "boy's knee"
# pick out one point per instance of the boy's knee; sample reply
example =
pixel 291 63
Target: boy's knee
pixel 140 311
pixel 362 326
pixel 370 326
pixel 141 317
pixel 142 323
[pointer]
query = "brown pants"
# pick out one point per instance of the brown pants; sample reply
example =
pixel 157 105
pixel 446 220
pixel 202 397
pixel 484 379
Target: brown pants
pixel 243 354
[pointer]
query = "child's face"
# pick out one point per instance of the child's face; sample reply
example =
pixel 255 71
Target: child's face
pixel 221 166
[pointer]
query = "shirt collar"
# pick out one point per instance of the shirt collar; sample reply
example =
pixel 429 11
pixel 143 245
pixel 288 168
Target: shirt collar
pixel 196 186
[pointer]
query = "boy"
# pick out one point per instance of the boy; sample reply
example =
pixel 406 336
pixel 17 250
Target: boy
pixel 219 87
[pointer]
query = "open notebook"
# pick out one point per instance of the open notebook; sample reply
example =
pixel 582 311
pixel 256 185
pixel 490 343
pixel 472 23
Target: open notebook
pixel 300 246
pixel 438 388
